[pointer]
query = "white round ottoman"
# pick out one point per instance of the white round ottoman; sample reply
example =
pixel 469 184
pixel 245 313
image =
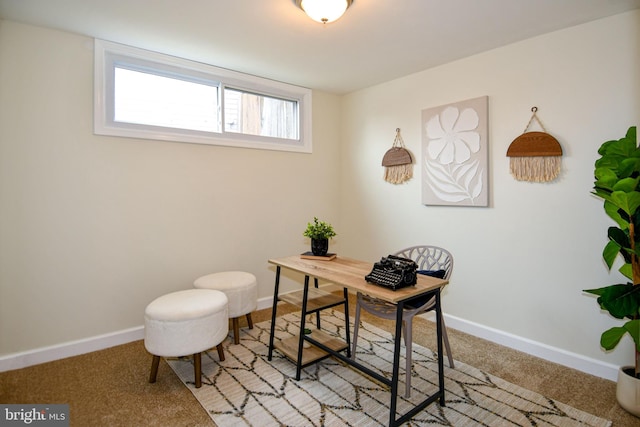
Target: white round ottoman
pixel 242 290
pixel 183 323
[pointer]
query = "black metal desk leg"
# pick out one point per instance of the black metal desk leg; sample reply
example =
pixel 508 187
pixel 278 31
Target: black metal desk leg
pixel 346 320
pixel 396 365
pixel 315 284
pixel 440 355
pixel 273 312
pixel 303 316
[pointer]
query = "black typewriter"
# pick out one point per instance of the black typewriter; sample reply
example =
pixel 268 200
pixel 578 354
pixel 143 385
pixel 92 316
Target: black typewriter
pixel 393 272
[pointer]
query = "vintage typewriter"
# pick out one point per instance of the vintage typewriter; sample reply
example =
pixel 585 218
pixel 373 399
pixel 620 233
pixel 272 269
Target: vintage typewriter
pixel 393 272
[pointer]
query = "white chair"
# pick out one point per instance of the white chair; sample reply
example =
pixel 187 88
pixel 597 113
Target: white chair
pixel 183 323
pixel 431 260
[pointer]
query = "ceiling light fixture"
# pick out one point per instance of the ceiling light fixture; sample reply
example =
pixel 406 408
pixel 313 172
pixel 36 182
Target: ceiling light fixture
pixel 324 11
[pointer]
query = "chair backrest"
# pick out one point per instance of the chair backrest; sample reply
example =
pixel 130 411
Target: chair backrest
pixel 429 258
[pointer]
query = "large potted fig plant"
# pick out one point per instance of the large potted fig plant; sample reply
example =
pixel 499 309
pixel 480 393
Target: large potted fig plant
pixel 617 174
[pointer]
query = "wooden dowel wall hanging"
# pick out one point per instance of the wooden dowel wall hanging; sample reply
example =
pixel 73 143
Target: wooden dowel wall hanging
pixel 397 162
pixel 535 156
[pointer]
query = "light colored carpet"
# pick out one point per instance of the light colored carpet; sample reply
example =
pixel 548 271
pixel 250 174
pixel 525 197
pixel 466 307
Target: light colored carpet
pixel 248 390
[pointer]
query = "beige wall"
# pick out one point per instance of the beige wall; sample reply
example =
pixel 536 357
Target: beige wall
pixel 92 228
pixel 520 265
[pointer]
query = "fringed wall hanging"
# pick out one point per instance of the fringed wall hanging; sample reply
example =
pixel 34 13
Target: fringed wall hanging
pixel 397 162
pixel 535 156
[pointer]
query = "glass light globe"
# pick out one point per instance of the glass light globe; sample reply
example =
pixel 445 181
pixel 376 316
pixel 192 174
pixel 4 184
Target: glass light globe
pixel 324 11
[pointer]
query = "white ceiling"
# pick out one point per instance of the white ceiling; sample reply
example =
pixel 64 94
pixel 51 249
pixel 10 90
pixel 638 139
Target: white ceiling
pixel 375 41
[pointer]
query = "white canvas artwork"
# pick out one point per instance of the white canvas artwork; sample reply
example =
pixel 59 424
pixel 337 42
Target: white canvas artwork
pixel 455 154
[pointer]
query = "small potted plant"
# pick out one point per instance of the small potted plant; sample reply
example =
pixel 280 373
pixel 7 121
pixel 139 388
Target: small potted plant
pixel 617 174
pixel 319 232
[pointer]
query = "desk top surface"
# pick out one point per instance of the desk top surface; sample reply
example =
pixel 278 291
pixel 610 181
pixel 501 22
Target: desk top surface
pixel 350 273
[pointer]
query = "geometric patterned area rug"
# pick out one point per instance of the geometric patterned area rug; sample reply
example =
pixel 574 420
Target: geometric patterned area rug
pixel 248 390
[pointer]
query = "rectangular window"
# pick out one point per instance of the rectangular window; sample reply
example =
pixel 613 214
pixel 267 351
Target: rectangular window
pixel 144 94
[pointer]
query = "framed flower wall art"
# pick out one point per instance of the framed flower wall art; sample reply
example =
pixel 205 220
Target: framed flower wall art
pixel 455 154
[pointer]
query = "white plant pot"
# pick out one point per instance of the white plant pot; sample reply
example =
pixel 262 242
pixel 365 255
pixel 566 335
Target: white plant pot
pixel 628 391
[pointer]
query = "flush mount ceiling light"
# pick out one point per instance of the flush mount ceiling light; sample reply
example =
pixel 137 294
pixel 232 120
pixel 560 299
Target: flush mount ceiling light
pixel 324 11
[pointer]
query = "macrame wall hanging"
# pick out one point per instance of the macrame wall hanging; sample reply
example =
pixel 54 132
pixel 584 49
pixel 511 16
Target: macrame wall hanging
pixel 397 162
pixel 535 156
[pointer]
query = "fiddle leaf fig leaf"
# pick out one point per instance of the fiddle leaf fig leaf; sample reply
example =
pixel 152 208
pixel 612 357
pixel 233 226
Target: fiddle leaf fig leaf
pixel 621 238
pixel 627 184
pixel 614 213
pixel 611 251
pixel 610 338
pixel 597 291
pixel 627 270
pixel 621 300
pixel 628 202
pixel 631 134
pixel 628 166
pixel 633 327
pixel 606 178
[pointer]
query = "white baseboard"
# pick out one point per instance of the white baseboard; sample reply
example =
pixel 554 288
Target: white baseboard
pixel 543 351
pixel 73 348
pixel 534 348
pixel 25 359
pixel 265 303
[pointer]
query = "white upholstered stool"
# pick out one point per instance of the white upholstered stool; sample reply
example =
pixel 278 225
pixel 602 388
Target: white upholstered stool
pixel 242 290
pixel 183 323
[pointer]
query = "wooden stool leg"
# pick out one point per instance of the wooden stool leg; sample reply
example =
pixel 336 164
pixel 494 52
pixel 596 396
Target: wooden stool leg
pixel 220 352
pixel 236 331
pixel 249 321
pixel 197 369
pixel 154 368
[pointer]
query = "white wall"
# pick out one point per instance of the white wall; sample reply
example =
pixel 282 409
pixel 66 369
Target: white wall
pixel 520 264
pixel 92 228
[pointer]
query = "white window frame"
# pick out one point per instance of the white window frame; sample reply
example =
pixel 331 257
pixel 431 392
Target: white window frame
pixel 108 54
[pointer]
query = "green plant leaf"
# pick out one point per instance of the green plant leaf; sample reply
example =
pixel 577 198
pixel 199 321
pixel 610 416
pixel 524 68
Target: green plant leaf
pixel 605 178
pixel 614 213
pixel 626 184
pixel 597 291
pixel 627 270
pixel 633 327
pixel 621 300
pixel 629 202
pixel 631 134
pixel 628 167
pixel 611 251
pixel 622 148
pixel 619 236
pixel 605 147
pixel 319 230
pixel 611 337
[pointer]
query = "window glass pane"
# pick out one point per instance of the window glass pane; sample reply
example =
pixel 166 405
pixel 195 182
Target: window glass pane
pixel 255 114
pixel 150 99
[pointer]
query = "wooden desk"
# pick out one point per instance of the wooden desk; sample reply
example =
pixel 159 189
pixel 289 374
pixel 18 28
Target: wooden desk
pixel 349 274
